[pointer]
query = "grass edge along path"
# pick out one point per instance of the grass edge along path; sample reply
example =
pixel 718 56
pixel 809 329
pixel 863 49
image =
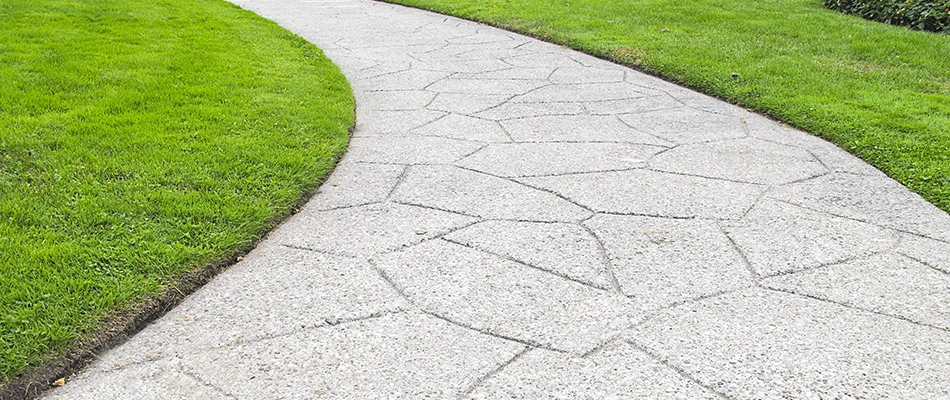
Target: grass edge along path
pixel 144 145
pixel 880 92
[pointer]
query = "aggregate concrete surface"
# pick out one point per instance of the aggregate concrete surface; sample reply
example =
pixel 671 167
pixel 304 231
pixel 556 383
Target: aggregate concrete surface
pixel 517 220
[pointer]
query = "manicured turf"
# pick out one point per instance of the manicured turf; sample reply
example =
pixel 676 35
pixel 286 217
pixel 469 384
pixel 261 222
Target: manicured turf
pixel 141 140
pixel 879 91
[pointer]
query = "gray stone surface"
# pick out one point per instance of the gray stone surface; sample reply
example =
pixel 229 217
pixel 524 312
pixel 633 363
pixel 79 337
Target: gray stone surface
pixel 533 74
pixel 405 80
pixel 510 110
pixel 584 92
pixel 381 122
pixel 393 356
pixel 464 103
pixel 163 379
pixel 537 60
pixel 779 238
pixel 934 254
pixel 829 154
pixel 632 106
pixel 871 199
pixel 563 249
pixel 686 125
pixel 743 160
pixel 395 100
pixel 515 219
pixel 485 196
pixel 456 126
pixel 619 371
pixel 569 75
pixel 503 298
pixel 891 284
pixel 355 184
pixel 660 261
pixel 410 149
pixel 367 229
pixel 486 87
pixel 653 193
pixel 459 66
pixel 537 159
pixel 766 345
pixel 579 128
pixel 276 291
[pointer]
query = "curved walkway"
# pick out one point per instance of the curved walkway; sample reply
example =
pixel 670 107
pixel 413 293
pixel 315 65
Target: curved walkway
pixel 514 219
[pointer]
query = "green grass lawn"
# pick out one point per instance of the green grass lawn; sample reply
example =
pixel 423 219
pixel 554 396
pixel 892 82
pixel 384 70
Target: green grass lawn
pixel 879 91
pixel 140 141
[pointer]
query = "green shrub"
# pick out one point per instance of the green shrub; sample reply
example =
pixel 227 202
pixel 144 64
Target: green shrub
pixel 927 15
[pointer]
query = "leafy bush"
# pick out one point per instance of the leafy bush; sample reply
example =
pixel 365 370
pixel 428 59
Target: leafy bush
pixel 927 15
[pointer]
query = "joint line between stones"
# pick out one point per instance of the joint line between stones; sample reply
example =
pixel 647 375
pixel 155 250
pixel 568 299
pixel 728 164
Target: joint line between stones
pixel 525 264
pixel 854 307
pixel 676 369
pixel 611 271
pixel 481 380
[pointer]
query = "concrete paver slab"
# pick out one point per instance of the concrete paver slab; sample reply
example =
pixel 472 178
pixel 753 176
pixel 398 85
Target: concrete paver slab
pixel 743 160
pixel 508 110
pixel 659 262
pixel 393 356
pixel 406 80
pixel 460 66
pixel 356 184
pixel 930 252
pixel 486 87
pixel 576 128
pixel 382 122
pixel 619 371
pixel 870 199
pixel 481 195
pixel 466 104
pixel 162 379
pixel 533 74
pixel 396 100
pixel 537 159
pixel 766 345
pixel 501 297
pixel 584 92
pixel 534 60
pixel 780 238
pixel 569 75
pixel 277 291
pixel 409 150
pixel 632 106
pixel 564 249
pixel 687 125
pixel 369 229
pixel 645 192
pixel 456 126
pixel 829 154
pixel 887 283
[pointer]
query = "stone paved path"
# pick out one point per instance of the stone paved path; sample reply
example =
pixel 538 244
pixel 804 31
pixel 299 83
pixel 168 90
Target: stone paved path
pixel 514 219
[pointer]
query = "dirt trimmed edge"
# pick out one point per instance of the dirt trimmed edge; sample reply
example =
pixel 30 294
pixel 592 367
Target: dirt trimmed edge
pixel 114 331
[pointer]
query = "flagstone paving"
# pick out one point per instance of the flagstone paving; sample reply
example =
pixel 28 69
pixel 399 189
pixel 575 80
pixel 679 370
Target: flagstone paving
pixel 517 220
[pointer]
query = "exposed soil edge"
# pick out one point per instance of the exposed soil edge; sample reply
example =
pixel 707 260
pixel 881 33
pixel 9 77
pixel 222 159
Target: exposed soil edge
pixel 115 330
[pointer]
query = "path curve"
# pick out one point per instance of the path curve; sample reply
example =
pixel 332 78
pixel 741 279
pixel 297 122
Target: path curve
pixel 517 219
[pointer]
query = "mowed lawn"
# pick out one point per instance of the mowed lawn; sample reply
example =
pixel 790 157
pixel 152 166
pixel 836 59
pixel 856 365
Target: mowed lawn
pixel 879 91
pixel 141 141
